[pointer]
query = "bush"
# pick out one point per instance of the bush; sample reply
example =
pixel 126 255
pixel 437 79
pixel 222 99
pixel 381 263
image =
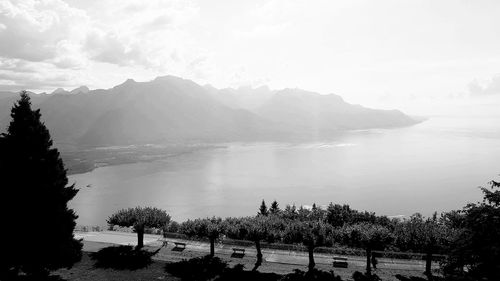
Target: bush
pixel 358 276
pixel 313 275
pixel 411 278
pixel 237 273
pixel 173 227
pixel 122 257
pixel 197 269
pixel 35 278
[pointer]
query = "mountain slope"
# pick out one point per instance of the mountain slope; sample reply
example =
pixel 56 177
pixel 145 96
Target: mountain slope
pixel 310 112
pixel 171 109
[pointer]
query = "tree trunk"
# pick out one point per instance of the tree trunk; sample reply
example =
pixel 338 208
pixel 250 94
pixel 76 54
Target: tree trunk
pixel 368 260
pixel 310 249
pixel 140 237
pixel 428 263
pixel 259 255
pixel 212 247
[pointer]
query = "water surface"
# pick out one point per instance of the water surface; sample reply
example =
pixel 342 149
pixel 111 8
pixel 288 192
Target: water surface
pixel 433 166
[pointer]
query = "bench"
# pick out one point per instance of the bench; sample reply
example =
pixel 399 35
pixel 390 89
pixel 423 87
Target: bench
pixel 340 262
pixel 239 251
pixel 180 245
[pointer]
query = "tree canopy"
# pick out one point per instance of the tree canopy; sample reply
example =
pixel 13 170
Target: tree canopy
pixel 139 218
pixel 367 236
pixel 477 247
pixel 211 228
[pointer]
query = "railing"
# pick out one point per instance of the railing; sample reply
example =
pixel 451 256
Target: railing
pixel 89 228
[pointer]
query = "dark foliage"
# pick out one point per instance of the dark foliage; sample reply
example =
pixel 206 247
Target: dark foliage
pixel 416 278
pixel 275 209
pixel 338 215
pixel 38 225
pixel 197 269
pixel 122 257
pixel 237 273
pixel 172 227
pixel 477 248
pixel 263 209
pixel 213 268
pixel 311 275
pixel 358 276
pixel 36 278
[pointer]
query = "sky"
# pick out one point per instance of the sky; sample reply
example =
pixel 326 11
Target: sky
pixel 422 56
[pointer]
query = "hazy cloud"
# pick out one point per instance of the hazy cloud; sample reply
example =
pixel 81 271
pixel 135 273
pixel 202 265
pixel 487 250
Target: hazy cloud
pixel 491 87
pixel 34 30
pixel 54 35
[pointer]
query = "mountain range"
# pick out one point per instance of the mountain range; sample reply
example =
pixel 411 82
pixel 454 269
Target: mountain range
pixel 170 109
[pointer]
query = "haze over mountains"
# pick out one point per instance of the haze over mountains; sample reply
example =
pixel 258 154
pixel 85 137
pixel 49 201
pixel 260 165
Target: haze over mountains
pixel 171 109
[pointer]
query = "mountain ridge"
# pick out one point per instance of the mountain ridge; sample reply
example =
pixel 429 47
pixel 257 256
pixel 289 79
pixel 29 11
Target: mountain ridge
pixel 173 109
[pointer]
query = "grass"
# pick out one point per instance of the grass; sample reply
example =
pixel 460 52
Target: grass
pixel 86 271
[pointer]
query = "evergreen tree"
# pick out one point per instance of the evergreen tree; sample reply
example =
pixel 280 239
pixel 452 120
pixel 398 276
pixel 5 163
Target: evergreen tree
pixel 37 224
pixel 263 209
pixel 275 209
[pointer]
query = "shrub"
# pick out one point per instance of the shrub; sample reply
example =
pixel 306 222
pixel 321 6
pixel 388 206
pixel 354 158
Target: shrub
pixel 173 227
pixel 237 273
pixel 197 269
pixel 122 257
pixel 358 276
pixel 312 275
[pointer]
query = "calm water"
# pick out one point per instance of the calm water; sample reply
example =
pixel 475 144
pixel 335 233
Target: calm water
pixel 433 166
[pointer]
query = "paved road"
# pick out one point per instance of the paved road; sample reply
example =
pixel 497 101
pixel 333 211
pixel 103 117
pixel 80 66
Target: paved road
pixel 94 241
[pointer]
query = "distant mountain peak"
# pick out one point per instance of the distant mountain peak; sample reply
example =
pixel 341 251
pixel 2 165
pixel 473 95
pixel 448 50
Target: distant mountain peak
pixel 126 83
pixel 59 91
pixel 81 89
pixel 169 78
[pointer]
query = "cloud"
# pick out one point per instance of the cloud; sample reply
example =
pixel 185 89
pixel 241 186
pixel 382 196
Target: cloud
pixel 491 87
pixel 21 75
pixel 32 30
pixel 71 37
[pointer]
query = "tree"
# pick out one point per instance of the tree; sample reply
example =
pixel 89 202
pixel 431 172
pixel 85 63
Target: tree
pixel 429 236
pixel 368 236
pixel 263 209
pixel 257 230
pixel 139 218
pixel 289 213
pixel 211 228
pixel 477 247
pixel 35 196
pixel 275 209
pixel 311 234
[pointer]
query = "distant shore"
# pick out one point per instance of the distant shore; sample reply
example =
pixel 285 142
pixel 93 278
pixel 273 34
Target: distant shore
pixel 86 160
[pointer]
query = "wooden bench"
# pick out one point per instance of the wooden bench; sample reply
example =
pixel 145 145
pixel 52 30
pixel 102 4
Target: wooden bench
pixel 240 251
pixel 180 245
pixel 340 262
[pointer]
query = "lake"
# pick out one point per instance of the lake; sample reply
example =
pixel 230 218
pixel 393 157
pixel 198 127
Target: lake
pixel 436 165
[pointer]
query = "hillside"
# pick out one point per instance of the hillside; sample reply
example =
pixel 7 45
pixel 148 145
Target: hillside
pixel 171 109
